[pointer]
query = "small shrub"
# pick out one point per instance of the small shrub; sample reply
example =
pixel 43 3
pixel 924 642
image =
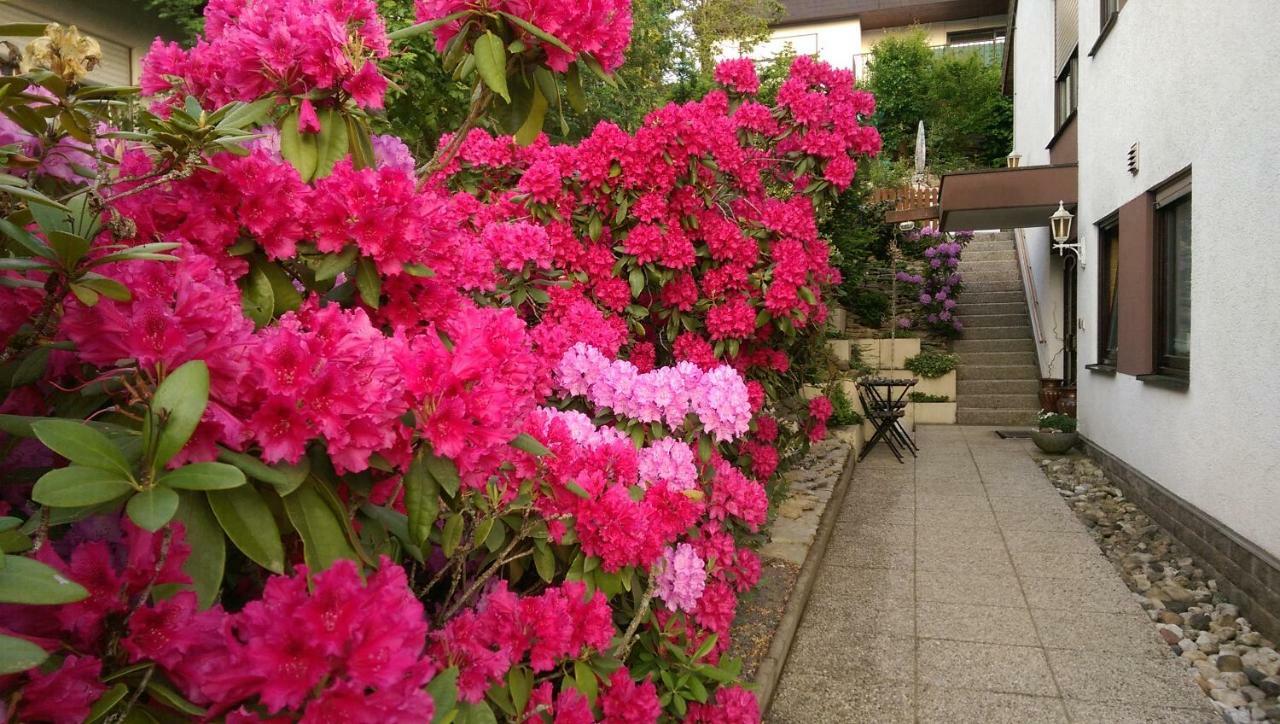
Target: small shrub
pixel 870 307
pixel 842 410
pixel 926 397
pixel 1057 421
pixel 931 365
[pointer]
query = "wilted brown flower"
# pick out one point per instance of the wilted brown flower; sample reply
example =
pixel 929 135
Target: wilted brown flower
pixel 66 51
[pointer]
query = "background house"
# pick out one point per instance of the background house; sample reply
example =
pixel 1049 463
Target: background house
pixel 123 28
pixel 1153 124
pixel 843 33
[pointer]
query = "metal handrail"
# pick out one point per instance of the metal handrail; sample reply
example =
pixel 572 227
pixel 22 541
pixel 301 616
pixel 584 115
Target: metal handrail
pixel 1028 284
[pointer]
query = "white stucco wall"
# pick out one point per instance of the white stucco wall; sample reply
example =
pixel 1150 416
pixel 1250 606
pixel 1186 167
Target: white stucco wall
pixel 835 42
pixel 1032 130
pixel 935 33
pixel 1194 84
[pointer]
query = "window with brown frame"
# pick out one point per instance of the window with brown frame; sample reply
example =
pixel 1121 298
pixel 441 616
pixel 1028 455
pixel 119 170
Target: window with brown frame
pixel 1173 279
pixel 1109 9
pixel 1066 92
pixel 1108 286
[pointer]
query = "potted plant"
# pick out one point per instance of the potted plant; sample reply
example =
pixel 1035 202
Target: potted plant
pixel 1056 434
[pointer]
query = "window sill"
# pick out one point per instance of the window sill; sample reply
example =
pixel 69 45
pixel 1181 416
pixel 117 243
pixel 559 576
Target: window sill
pixel 1168 382
pixel 1102 34
pixel 1102 369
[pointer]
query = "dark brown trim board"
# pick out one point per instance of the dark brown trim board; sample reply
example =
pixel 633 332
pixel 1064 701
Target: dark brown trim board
pixel 1136 354
pixel 1246 574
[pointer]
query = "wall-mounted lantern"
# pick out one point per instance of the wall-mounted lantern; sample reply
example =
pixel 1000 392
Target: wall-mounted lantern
pixel 1013 160
pixel 1060 224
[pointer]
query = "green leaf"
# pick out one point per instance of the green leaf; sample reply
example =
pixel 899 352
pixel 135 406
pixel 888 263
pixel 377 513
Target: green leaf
pixel 284 297
pixel 445 472
pixel 368 283
pixel 173 699
pixel 257 296
pixel 32 367
pixel 85 295
pixel 544 561
pixel 244 115
pixel 31 195
pixel 204 476
pixel 26 239
pixel 106 702
pixel 207 560
pixel 529 444
pixel 32 583
pixel 452 534
pixel 537 32
pixel 585 681
pixel 299 149
pixel 248 522
pixel 81 444
pixel 109 288
pixel 76 486
pixel 19 655
pixel 70 248
pixel 180 401
pixel 332 143
pixel 152 509
pixel 323 539
pixel 573 89
pixel 285 478
pixel 331 265
pixel 491 60
pixel 704 448
pixel 426 27
pixel 421 500
pixel 444 692
pixel 577 490
pixel 532 125
pixel 478 713
pixel 636 279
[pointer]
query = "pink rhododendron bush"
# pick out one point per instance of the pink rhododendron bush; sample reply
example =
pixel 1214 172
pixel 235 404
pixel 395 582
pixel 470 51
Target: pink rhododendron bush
pixel 296 427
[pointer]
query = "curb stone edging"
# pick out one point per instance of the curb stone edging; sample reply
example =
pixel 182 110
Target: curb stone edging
pixel 769 672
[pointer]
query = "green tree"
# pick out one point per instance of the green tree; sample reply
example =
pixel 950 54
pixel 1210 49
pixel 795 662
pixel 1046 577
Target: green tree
pixel 898 73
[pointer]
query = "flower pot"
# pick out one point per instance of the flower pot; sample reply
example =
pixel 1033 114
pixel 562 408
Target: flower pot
pixel 1067 402
pixel 1050 391
pixel 1054 442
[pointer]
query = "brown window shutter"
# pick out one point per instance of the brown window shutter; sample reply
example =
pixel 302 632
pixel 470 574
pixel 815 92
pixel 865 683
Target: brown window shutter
pixel 1136 292
pixel 1066 31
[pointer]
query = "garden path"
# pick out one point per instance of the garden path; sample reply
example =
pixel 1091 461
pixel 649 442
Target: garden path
pixel 959 587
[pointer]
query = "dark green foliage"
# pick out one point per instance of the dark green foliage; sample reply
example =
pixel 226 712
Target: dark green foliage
pixel 184 15
pixel 869 306
pixel 1057 421
pixel 931 364
pixel 926 397
pixel 968 120
pixel 842 408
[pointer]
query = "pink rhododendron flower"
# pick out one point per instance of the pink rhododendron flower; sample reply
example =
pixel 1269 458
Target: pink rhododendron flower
pixel 738 75
pixel 682 579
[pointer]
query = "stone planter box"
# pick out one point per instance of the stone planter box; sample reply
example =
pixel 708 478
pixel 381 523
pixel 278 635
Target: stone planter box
pixel 887 354
pixel 851 434
pixel 935 413
pixel 1055 443
pixel 944 385
pixel 837 319
pixel 840 349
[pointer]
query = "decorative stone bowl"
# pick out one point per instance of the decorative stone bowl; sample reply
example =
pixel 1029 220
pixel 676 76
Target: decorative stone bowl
pixel 1054 442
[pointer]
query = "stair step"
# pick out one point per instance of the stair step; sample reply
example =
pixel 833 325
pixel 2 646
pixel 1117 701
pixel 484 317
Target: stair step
pixel 975 288
pixel 997 387
pixel 1012 418
pixel 971 297
pixel 987 359
pixel 975 309
pixel 993 320
pixel 998 372
pixel 973 266
pixel 970 254
pixel 968 346
pixel 1000 402
pixel 1018 332
pixel 976 277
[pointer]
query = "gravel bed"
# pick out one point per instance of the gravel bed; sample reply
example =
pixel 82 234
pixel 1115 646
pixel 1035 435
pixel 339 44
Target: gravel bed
pixel 759 613
pixel 1237 667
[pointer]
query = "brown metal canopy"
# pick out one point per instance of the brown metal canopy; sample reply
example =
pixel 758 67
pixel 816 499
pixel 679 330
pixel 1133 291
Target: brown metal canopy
pixel 1006 198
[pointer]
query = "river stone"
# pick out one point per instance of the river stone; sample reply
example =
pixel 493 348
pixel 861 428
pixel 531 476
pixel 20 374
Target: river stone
pixel 1229 663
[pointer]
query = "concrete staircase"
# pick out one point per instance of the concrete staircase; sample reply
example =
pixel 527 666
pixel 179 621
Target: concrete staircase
pixel 998 376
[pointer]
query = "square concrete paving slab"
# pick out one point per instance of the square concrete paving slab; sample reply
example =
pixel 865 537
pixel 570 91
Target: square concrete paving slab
pixel 884 586
pixel 979 624
pixel 948 706
pixel 1037 541
pixel 863 554
pixel 873 533
pixel 956 518
pixel 984 667
pixel 875 659
pixel 951 538
pixel 877 514
pixel 1095 676
pixel 949 487
pixel 803 699
pixel 962 587
pixel 989 561
pixel 1057 521
pixel 955 503
pixel 1093 712
pixel 1088 564
pixel 858 500
pixel 847 620
pixel 1027 504
pixel 1080 596
pixel 1112 632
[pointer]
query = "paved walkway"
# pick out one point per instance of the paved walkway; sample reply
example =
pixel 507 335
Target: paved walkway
pixel 961 588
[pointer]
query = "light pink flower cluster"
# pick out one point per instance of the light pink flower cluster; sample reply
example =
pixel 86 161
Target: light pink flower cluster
pixel 669 461
pixel 718 398
pixel 258 48
pixel 599 28
pixel 682 579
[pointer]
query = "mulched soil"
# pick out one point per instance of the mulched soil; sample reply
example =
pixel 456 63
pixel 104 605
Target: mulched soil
pixel 759 613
